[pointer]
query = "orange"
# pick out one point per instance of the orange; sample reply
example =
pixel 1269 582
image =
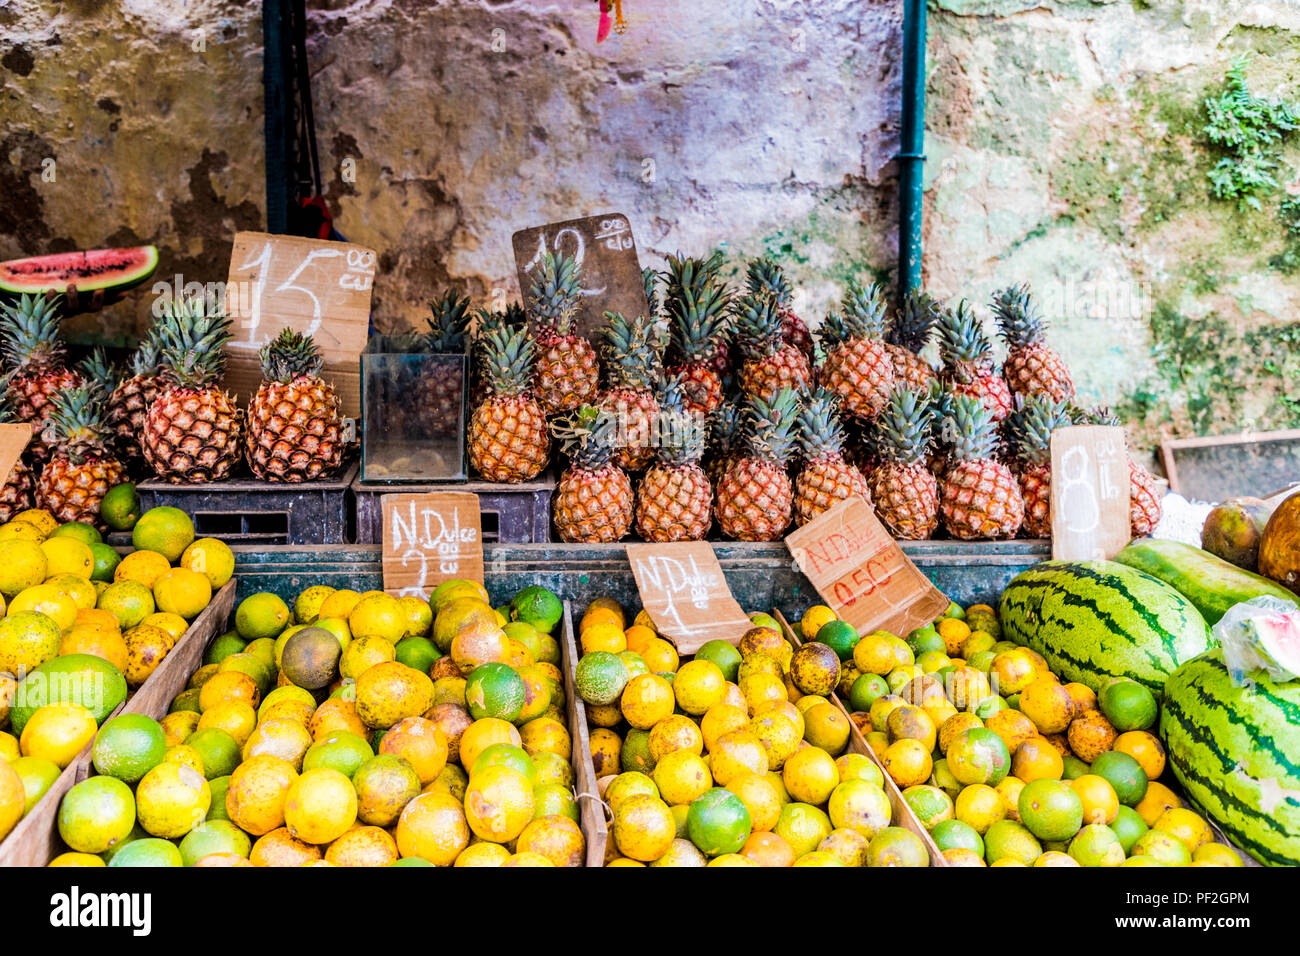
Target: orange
pixel 675 733
pixel 825 726
pixel 759 689
pixel 229 685
pixel 145 649
pixel 235 717
pixel 334 715
pixel 1009 790
pixel 682 777
pixel 363 846
pixel 760 797
pixel 698 686
pixel 603 636
pixel 810 776
pixel 606 747
pixel 143 567
pixel 1145 748
pixel 57 733
pixel 1100 802
pixel 1014 670
pixel 738 752
pixel 659 656
pixel 546 735
pixel 954 632
pixel 637 637
pixel 1048 705
pixel 286 739
pixel 1037 759
pixel 483 855
pixel 97 641
pixel 911 722
pixel 779 735
pixel 954 727
pixel 320 806
pixel 718 720
pixel 182 591
pixel 280 848
pixel 1083 697
pixel 421 743
pixel 178 725
pixel 433 827
pixel 482 734
pixel 1187 826
pixel 647 699
pixel 643 828
pixel 556 838
pixel 601 614
pixel 980 806
pixel 880 652
pixel 767 849
pixel 1091 735
pixel 908 762
pixel 173 624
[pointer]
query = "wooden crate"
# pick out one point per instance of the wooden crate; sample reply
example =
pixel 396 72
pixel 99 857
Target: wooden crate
pixel 35 840
pixel 903 815
pixel 591 807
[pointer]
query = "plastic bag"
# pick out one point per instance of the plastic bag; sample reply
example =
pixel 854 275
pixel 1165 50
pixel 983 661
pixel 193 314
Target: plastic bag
pixel 1262 634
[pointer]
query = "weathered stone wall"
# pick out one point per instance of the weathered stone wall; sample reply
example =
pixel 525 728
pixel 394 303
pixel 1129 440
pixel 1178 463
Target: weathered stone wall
pixel 1064 143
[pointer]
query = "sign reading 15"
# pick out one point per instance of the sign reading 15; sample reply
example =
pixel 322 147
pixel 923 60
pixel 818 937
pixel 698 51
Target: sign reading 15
pixel 358 276
pixel 578 250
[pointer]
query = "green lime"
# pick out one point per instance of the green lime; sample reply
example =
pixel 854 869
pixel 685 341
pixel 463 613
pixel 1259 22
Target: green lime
pixel 718 822
pixel 989 706
pixel 222 647
pixel 552 799
pixel 925 639
pixel 120 507
pixel 214 836
pixel 1006 838
pixel 167 530
pixel 37 775
pixel 419 653
pixel 218 750
pixel 96 814
pixel 956 835
pixel 635 752
pixel 495 690
pixel 544 648
pixel 723 654
pixel 600 677
pixel 1162 847
pixel 538 607
pixel 896 846
pixel 506 755
pixel 1128 705
pixel 981 660
pixel 840 636
pixel 955 610
pixel 411 861
pixel 1124 773
pixel 1128 826
pixel 150 851
pixel 261 615
pixel 942 778
pixel 1097 845
pixel 762 619
pixel 865 690
pixel 1074 767
pixel 1050 809
pixel 341 751
pixel 932 805
pixel 185 700
pixel 218 809
pixel 137 833
pixel 78 531
pixel 106 561
pixel 128 746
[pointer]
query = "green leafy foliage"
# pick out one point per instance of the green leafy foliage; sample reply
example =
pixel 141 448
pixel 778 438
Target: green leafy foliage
pixel 1248 130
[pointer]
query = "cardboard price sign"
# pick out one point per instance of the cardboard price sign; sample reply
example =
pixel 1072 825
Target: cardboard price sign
pixel 609 271
pixel 1090 493
pixel 13 442
pixel 430 538
pixel 313 286
pixel 862 574
pixel 686 595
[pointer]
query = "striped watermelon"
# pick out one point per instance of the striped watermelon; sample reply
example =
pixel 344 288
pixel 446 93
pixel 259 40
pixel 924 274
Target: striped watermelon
pixel 1236 751
pixel 1093 620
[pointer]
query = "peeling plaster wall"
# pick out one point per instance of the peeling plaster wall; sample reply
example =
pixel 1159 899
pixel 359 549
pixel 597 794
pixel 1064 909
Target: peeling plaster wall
pixel 1063 142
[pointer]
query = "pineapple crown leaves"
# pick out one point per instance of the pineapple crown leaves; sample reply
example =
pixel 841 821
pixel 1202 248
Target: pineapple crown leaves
pixel 97 368
pixel 145 358
pixel 962 340
pixel 553 294
pixel 650 280
pixel 448 324
pixel 29 332
pixel 772 426
pixel 915 321
pixel 696 320
pixel 863 308
pixel 765 277
pixel 290 355
pixel 193 342
pixel 1030 426
pixel 506 354
pixel 680 433
pixel 821 435
pixel 76 422
pixel 969 429
pixel 1097 415
pixel 1019 321
pixel 725 428
pixel 686 274
pixel 588 435
pixel 8 413
pixel 631 352
pixel 903 430
pixel 759 326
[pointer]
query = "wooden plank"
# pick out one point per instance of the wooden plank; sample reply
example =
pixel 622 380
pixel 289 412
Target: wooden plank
pixel 591 808
pixel 155 695
pixel 35 840
pixel 903 815
pixel 1236 471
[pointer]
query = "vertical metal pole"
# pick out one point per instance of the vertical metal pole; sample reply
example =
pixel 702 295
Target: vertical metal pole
pixel 911 154
pixel 276 121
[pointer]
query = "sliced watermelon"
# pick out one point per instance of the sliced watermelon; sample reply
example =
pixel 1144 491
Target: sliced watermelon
pixel 115 269
pixel 1277 639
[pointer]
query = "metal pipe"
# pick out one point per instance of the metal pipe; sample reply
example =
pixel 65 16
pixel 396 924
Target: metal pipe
pixel 911 154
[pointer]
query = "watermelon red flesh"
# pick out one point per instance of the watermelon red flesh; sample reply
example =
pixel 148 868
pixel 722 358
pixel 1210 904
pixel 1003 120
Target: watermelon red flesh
pixel 1279 638
pixel 88 271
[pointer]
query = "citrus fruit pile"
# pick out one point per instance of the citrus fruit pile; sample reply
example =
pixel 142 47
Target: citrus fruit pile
pixel 1007 766
pixel 735 757
pixel 353 729
pixel 81 626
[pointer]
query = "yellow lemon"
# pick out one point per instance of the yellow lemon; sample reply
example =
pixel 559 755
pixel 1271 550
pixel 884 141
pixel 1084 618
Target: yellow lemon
pixel 211 558
pixel 22 565
pixel 48 600
pixel 81 591
pixel 173 624
pixel 183 592
pixel 68 556
pixel 44 522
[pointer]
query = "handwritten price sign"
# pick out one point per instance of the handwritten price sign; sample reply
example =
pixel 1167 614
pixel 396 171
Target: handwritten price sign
pixel 686 595
pixel 1090 493
pixel 606 254
pixel 862 574
pixel 430 538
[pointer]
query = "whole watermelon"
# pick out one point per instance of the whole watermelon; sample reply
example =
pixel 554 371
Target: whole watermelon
pixel 1236 751
pixel 1094 620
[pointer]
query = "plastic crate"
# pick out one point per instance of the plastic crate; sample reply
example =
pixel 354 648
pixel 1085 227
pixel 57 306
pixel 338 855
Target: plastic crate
pixel 511 514
pixel 246 511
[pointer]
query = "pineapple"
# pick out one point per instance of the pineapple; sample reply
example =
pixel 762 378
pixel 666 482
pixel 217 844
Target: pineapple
pixel 29 338
pixel 754 500
pixel 508 439
pixel 694 275
pixel 858 365
pixel 826 478
pixel 765 277
pixel 192 430
pixel 441 386
pixel 770 364
pixel 675 500
pixel 295 425
pixel 979 497
pixel 593 502
pixel 725 432
pixel 1030 428
pixel 903 487
pixel 968 361
pixel 128 406
pixel 17 494
pixel 567 373
pixel 81 468
pixel 1145 505
pixel 695 323
pixel 650 279
pixel 632 359
pixel 1031 366
pixel 908 334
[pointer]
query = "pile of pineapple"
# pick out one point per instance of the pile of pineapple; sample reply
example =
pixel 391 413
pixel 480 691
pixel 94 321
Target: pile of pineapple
pixel 732 415
pixel 169 417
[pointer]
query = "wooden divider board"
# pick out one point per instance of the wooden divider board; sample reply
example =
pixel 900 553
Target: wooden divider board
pixel 14 437
pixel 685 593
pixel 1090 493
pixel 903 815
pixel 591 809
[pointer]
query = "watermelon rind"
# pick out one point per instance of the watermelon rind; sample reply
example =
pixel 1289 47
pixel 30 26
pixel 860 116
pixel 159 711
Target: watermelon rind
pixel 95 269
pixel 1236 752
pixel 1094 620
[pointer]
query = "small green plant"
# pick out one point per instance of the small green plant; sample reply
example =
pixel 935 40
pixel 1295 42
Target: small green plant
pixel 1289 213
pixel 1248 129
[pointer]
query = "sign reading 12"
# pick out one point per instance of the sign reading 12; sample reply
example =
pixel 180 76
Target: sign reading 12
pixel 579 253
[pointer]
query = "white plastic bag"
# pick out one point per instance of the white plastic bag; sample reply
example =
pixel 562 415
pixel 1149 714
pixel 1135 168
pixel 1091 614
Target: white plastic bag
pixel 1262 634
